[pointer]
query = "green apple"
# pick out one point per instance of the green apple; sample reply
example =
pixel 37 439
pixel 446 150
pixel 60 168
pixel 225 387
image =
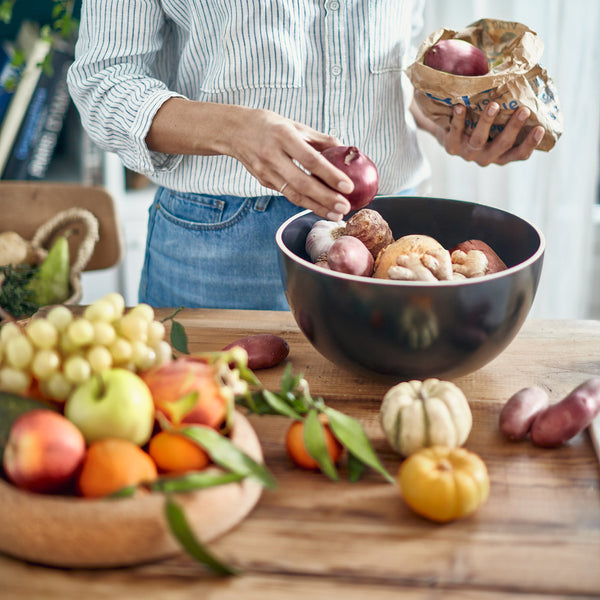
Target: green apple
pixel 115 403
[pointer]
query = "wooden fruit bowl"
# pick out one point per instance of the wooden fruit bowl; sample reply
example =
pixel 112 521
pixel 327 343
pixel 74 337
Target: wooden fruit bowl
pixel 67 531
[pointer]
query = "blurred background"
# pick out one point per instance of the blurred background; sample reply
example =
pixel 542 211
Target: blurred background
pixel 558 190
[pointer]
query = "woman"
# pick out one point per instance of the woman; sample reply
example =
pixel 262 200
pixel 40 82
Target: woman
pixel 226 106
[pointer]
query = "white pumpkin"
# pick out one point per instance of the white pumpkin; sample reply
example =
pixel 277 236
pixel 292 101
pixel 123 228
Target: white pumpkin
pixel 418 414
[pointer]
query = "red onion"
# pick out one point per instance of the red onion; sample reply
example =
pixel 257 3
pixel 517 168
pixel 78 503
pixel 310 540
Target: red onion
pixel 458 57
pixel 360 168
pixel 349 255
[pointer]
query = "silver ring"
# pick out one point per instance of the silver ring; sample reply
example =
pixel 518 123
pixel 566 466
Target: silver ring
pixel 283 187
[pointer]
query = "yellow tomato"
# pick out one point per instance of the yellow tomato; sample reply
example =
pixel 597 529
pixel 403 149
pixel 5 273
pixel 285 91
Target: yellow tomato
pixel 443 484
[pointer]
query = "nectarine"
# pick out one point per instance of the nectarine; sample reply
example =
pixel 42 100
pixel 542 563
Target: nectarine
pixel 187 390
pixel 44 451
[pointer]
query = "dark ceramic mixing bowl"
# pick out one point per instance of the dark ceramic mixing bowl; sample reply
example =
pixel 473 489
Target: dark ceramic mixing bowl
pixel 414 330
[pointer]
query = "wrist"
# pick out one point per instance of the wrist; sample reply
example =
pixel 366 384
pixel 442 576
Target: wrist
pixel 183 126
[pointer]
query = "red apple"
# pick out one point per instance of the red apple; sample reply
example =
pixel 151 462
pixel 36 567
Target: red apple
pixel 44 451
pixel 187 390
pixel 457 57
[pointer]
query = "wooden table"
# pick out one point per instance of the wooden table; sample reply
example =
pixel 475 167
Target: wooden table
pixel 538 535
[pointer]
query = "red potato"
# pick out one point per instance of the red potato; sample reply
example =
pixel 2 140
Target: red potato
pixel 264 350
pixel 349 255
pixel 495 263
pixel 562 421
pixel 519 412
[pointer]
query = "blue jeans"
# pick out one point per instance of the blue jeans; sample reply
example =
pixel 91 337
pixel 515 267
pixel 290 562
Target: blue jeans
pixel 207 251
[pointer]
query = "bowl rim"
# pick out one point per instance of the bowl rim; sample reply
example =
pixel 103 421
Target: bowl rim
pixel 393 283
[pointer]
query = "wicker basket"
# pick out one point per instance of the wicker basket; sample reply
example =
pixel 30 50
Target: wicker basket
pixel 71 220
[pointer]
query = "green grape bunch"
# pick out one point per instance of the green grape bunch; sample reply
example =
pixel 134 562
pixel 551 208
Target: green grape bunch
pixel 60 350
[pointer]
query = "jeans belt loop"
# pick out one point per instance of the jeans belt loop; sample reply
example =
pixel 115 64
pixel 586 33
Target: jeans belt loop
pixel 262 203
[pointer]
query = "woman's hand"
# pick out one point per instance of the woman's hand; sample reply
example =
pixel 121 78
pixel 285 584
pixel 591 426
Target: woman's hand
pixel 282 154
pixel 476 146
pixel 286 156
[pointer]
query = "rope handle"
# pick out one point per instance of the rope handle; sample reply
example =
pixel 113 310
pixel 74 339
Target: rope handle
pixel 66 217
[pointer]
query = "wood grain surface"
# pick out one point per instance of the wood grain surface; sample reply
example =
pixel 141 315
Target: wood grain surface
pixel 538 535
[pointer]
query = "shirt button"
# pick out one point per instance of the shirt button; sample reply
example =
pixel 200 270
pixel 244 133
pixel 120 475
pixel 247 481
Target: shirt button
pixel 333 5
pixel 334 132
pixel 336 70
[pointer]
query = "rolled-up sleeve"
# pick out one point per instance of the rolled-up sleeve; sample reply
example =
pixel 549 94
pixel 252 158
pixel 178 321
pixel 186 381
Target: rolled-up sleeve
pixel 113 80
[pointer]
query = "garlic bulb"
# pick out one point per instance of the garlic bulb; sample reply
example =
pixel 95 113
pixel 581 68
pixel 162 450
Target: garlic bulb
pixel 319 239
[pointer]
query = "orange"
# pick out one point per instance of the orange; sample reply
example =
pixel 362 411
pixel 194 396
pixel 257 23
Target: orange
pixel 175 453
pixel 296 449
pixel 111 464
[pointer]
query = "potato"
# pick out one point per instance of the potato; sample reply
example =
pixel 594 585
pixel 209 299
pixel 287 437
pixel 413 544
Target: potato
pixel 418 245
pixel 495 263
pixel 371 229
pixel 264 350
pixel 560 422
pixel 519 412
pixel 349 255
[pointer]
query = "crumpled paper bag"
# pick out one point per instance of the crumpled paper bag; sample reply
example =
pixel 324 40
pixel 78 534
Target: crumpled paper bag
pixel 515 79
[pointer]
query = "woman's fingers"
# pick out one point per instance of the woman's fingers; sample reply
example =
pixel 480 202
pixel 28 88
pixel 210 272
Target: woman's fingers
pixel 286 157
pixel 479 138
pixel 454 137
pixel 480 147
pixel 308 191
pixel 524 150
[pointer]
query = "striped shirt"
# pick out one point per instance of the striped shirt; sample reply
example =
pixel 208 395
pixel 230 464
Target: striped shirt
pixel 336 65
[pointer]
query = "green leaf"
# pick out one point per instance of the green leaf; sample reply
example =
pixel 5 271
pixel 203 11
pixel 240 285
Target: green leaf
pixel 179 339
pixel 247 374
pixel 6 10
pixel 125 492
pixel 181 407
pixel 15 296
pixel 279 405
pixel 352 435
pixel 355 468
pixel 193 481
pixel 289 381
pixel 265 402
pixel 255 403
pixel 190 543
pixel 314 440
pixel 18 59
pixel 227 455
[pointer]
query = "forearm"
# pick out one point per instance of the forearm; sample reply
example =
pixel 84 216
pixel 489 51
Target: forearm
pixel 182 126
pixel 423 122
